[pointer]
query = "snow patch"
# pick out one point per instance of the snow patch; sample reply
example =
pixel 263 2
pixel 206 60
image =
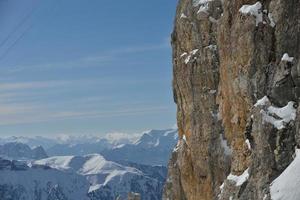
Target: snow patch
pixel 286 186
pixel 183 54
pixel 183 16
pixel 248 144
pixel 254 10
pixel 239 180
pixel 178 146
pixel 187 60
pixel 200 2
pixel 285 115
pixel 277 116
pixel 203 8
pixel 188 56
pixel 287 58
pixel 262 101
pixel 194 51
pixel 212 91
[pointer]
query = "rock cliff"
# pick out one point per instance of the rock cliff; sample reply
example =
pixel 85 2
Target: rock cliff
pixel 236 85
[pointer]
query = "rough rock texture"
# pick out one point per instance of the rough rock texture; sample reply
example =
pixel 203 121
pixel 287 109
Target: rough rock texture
pixel 134 196
pixel 226 57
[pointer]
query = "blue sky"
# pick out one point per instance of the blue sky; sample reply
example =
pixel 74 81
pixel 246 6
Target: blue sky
pixel 85 67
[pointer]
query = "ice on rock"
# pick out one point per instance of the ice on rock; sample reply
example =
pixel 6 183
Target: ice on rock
pixel 204 5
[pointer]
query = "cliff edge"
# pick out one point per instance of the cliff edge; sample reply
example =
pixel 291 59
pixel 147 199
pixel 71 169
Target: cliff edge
pixel 236 85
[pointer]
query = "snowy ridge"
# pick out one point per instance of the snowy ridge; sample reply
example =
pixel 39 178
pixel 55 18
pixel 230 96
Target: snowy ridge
pixel 152 148
pixel 85 165
pixel 40 183
pixel 104 175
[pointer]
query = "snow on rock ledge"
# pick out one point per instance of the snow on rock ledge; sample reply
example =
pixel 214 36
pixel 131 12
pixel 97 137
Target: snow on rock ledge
pixel 286 186
pixel 254 10
pixel 189 56
pixel 200 2
pixel 239 180
pixel 287 58
pixel 279 117
pixel 262 101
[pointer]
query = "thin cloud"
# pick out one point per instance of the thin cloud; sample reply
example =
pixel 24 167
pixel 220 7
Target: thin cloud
pixel 102 58
pixel 15 116
pixel 30 85
pixel 15 109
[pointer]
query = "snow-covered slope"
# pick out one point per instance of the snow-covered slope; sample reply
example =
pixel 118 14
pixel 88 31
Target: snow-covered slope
pixel 286 186
pixel 108 180
pixel 19 151
pixel 153 148
pixel 18 181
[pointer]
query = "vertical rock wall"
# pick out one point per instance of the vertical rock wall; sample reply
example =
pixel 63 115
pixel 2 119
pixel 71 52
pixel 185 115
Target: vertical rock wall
pixel 227 55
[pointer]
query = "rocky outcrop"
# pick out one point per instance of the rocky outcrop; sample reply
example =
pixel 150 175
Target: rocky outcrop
pixel 134 196
pixel 236 86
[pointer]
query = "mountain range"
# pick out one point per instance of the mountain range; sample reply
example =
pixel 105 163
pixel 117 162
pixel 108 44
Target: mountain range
pixel 20 151
pixel 96 168
pixel 152 148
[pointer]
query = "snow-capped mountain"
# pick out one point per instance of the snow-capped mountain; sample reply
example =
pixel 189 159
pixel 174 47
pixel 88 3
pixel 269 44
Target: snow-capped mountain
pixel 108 180
pixel 30 141
pixel 137 167
pixel 20 151
pixel 83 148
pixel 64 145
pixel 18 181
pixel 153 148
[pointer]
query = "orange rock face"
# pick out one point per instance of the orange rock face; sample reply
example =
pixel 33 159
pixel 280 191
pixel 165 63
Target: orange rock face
pixel 226 56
